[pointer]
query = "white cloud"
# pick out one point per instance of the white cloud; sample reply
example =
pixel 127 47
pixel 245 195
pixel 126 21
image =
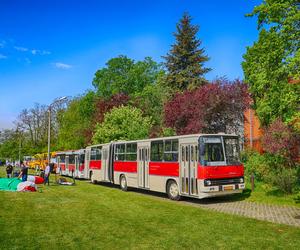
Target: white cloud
pixel 61 65
pixel 45 52
pixel 23 49
pixel 2 43
pixel 40 52
pixel 32 51
pixel 27 60
pixel 3 56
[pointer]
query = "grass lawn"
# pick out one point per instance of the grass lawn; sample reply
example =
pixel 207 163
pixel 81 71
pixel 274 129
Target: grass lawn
pixel 87 216
pixel 264 194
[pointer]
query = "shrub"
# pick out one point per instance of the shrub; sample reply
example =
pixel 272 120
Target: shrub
pixel 285 179
pixel 280 140
pixel 272 170
pixel 257 164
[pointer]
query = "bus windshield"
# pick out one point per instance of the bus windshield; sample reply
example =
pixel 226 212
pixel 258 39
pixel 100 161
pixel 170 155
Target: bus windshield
pixel 232 150
pixel 212 151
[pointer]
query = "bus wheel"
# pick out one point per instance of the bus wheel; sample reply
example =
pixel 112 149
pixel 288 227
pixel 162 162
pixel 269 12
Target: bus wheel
pixel 91 178
pixel 123 183
pixel 173 191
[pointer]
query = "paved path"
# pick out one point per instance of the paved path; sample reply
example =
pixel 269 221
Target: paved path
pixel 273 213
pixel 267 212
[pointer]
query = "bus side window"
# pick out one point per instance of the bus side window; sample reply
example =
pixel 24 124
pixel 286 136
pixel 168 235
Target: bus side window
pixel 157 150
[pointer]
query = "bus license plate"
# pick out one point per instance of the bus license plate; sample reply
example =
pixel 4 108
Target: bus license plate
pixel 228 188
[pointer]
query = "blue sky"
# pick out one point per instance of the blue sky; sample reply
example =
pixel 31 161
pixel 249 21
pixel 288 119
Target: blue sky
pixel 53 48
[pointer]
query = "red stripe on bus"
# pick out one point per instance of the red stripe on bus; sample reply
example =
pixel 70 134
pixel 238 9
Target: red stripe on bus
pixel 125 166
pixel 62 167
pixel 81 167
pixel 71 167
pixel 164 168
pixel 218 172
pixel 95 164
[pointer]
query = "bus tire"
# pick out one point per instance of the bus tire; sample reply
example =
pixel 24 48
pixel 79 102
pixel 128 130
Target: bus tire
pixel 173 190
pixel 123 183
pixel 91 178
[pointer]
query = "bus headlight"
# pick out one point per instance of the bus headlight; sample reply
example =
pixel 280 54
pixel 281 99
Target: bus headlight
pixel 207 182
pixel 241 180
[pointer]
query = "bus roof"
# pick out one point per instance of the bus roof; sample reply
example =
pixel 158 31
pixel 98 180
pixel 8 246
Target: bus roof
pixel 164 138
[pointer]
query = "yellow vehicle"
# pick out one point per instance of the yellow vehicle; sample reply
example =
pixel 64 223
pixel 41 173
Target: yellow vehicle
pixel 41 160
pixel 28 160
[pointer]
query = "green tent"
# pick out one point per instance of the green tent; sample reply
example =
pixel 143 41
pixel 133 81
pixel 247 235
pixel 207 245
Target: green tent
pixel 9 184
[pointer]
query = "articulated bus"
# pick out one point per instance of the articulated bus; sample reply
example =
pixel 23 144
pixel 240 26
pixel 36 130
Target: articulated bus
pixel 71 163
pixel 199 166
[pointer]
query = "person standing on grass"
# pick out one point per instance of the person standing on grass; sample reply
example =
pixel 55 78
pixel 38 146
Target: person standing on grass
pixel 47 175
pixel 9 170
pixel 24 172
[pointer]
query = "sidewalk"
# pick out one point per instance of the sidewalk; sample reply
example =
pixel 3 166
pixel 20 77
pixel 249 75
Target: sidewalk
pixel 267 212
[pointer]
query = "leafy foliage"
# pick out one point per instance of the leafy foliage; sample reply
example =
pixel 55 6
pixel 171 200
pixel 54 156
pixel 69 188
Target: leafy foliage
pixel 212 108
pixel 103 106
pixel 279 139
pixel 273 60
pixel 185 61
pixel 123 123
pixel 272 170
pixel 75 122
pixel 124 76
pixel 285 179
pixel 257 164
pixel 9 144
pixel 151 101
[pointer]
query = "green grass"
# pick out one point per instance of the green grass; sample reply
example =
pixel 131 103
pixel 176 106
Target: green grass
pixel 264 194
pixel 87 216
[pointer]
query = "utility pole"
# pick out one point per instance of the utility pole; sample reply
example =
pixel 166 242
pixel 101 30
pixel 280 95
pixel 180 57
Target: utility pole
pixel 49 122
pixel 49 132
pixel 251 128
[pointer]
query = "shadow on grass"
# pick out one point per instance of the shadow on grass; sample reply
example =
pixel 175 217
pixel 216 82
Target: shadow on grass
pixel 223 199
pixel 276 193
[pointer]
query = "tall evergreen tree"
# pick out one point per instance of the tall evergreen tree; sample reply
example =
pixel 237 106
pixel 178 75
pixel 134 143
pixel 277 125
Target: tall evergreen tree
pixel 185 61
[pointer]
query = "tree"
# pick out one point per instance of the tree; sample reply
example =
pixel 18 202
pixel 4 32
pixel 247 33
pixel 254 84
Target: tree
pixel 123 123
pixel 103 106
pixel 75 122
pixel 281 146
pixel 280 140
pixel 9 144
pixel 151 101
pixel 35 121
pixel 124 76
pixel 273 60
pixel 212 108
pixel 185 61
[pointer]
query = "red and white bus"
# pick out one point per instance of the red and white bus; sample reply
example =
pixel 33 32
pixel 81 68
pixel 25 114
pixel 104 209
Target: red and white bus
pixel 99 162
pixel 72 163
pixel 200 165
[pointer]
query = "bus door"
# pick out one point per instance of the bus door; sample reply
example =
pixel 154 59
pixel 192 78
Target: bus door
pixel 77 163
pixel 58 169
pixel 67 165
pixel 143 157
pixel 188 169
pixel 105 175
pixel 87 163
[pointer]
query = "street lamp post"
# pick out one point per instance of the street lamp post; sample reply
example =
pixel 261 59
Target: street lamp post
pixel 49 122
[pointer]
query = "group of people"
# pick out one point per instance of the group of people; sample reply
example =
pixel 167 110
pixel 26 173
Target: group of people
pixel 24 172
